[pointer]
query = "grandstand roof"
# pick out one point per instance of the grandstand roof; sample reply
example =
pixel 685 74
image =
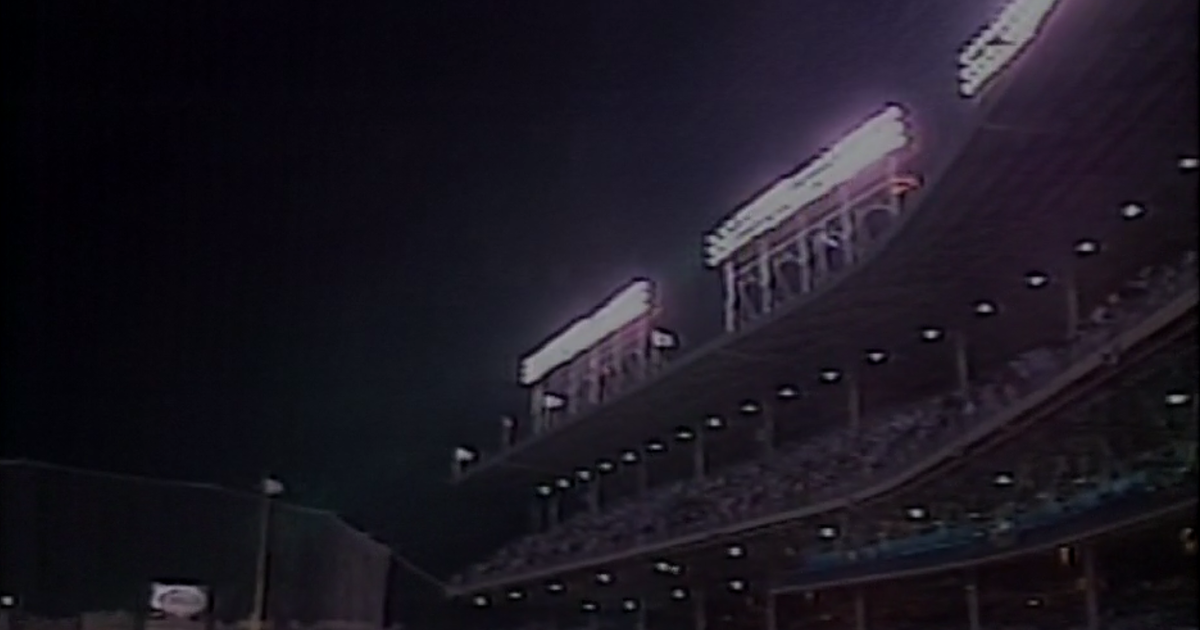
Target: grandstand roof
pixel 1095 115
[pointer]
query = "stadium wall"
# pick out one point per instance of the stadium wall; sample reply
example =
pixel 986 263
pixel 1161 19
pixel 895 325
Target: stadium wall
pixel 75 542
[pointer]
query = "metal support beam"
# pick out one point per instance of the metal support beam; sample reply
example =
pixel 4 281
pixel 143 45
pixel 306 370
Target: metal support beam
pixel 860 609
pixel 1091 588
pixel 962 363
pixel 1071 297
pixel 972 589
pixel 730 281
pixel 699 611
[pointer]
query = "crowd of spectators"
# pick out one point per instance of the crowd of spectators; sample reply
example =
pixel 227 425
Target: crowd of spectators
pixel 843 459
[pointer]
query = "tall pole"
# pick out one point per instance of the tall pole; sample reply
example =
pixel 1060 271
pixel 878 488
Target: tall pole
pixel 260 573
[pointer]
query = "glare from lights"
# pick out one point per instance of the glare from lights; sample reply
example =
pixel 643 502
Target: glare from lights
pixel 1189 163
pixel 629 605
pixel 735 551
pixel 655 446
pixel 668 568
pixel 553 402
pixel 830 375
pixel 1087 247
pixel 875 357
pixel 629 457
pixel 589 606
pixel 663 340
pixel 1033 602
pixel 749 407
pixel 679 594
pixel 996 45
pixel 1003 479
pixel 515 595
pixel 787 392
pixel 8 601
pixel 1132 210
pixel 563 483
pixel 480 601
pixel 737 586
pixel 931 334
pixel 544 490
pixel 984 308
pixel 605 466
pixel 583 474
pixel 827 532
pixel 555 587
pixel 1175 399
pixel 916 513
pixel 1036 279
pixel 683 434
pixel 465 455
pixel 714 422
pixel 604 578
pixel 878 137
pixel 628 305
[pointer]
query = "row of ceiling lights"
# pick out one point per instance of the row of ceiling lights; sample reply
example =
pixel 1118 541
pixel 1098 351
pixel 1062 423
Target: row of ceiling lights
pixel 981 308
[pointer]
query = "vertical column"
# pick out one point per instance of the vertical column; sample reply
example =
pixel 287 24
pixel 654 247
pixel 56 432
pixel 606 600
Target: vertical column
pixel 640 622
pixel 853 400
pixel 820 261
pixel 699 611
pixel 860 609
pixel 962 364
pixel 770 617
pixel 698 456
pixel 536 408
pixel 730 281
pixel 846 219
pixel 972 590
pixel 1071 296
pixel 767 435
pixel 1090 588
pixel 764 277
pixel 803 253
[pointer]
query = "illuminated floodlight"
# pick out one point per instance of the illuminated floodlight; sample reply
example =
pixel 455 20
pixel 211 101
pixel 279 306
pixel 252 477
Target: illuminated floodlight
pixel 875 139
pixel 788 392
pixel 714 422
pixel 465 455
pixel 828 532
pixel 629 457
pixel 553 402
pixel 629 605
pixel 735 551
pixel 830 375
pixel 916 513
pixel 1176 399
pixel 875 357
pixel 930 333
pixel 683 434
pixel 1036 279
pixel 516 594
pixel 563 483
pixel 631 303
pixel 544 490
pixel 996 46
pixel 589 606
pixel 1132 211
pixel 604 577
pixel 583 474
pixel 984 308
pixel 663 340
pixel 1003 479
pixel 555 587
pixel 679 594
pixel 605 466
pixel 1189 163
pixel 737 586
pixel 480 601
pixel 1087 247
pixel 749 407
pixel 655 446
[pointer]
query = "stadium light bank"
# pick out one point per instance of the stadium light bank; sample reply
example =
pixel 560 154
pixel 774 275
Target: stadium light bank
pixel 878 137
pixel 999 43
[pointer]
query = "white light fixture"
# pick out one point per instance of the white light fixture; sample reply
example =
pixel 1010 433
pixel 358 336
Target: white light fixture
pixel 916 513
pixel 737 586
pixel 562 483
pixel 683 434
pixel 628 305
pixel 655 446
pixel 605 466
pixel 629 457
pixel 984 308
pixel 679 594
pixel 788 392
pixel 544 490
pixel 663 340
pixel 1003 479
pixel 604 577
pixel 929 333
pixel 996 45
pixel 828 532
pixel 1086 247
pixel 714 422
pixel 8 601
pixel 875 357
pixel 480 601
pixel 1176 399
pixel 555 587
pixel 749 407
pixel 878 137
pixel 735 551
pixel 1132 210
pixel 515 595
pixel 589 606
pixel 553 402
pixel 462 455
pixel 583 474
pixel 1036 279
pixel 1189 163
pixel 830 375
pixel 629 605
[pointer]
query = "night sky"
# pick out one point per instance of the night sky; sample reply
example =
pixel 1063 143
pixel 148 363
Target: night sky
pixel 314 238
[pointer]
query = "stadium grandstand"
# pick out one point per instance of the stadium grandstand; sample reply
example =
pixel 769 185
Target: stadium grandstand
pixel 957 386
pixel 75 544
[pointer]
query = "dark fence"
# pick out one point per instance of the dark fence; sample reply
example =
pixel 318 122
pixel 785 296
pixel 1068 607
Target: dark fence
pixel 73 542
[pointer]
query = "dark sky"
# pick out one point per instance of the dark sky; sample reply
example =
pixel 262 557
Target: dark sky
pixel 314 237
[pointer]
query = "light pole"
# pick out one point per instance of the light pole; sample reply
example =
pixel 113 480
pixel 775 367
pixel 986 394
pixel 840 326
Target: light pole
pixel 268 489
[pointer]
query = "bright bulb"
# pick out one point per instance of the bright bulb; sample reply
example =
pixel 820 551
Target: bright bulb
pixel 1132 211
